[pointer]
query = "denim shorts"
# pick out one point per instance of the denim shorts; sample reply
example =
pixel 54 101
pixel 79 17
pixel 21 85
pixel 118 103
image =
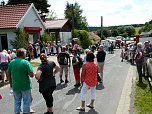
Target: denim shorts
pixel 4 66
pixel 18 96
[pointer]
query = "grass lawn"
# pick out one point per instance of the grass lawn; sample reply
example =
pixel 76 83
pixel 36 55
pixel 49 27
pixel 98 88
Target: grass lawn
pixel 143 98
pixel 35 64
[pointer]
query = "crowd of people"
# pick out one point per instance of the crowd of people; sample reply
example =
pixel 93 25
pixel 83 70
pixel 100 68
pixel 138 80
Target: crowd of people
pixel 87 72
pixel 14 63
pixel 137 54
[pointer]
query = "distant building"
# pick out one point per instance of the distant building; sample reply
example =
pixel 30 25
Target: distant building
pixel 61 28
pixel 94 37
pixel 23 16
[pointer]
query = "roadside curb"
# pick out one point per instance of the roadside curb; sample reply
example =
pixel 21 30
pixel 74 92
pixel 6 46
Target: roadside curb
pixel 125 99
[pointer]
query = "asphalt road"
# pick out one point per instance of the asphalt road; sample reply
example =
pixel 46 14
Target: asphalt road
pixel 67 98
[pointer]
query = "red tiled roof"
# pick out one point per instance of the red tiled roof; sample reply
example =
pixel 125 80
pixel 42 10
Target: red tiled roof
pixel 10 15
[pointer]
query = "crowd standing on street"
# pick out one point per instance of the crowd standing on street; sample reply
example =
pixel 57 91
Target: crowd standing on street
pixel 87 72
pixel 137 54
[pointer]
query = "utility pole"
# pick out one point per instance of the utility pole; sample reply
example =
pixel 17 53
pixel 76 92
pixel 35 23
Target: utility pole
pixel 101 27
pixel 72 22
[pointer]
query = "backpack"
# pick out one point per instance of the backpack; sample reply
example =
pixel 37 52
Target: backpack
pixel 80 62
pixel 63 58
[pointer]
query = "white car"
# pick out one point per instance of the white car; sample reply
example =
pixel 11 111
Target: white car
pixel 149 70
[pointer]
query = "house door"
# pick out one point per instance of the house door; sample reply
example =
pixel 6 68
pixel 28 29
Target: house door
pixel 3 42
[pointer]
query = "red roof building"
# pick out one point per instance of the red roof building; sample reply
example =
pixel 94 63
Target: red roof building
pixel 11 15
pixel 23 16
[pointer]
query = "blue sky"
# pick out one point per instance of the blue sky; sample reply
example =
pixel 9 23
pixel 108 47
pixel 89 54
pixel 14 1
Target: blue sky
pixel 114 12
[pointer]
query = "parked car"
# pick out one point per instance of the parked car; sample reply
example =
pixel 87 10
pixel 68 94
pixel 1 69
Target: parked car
pixel 149 67
pixel 149 70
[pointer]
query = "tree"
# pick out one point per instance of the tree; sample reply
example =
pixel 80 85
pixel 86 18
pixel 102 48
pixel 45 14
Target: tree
pixel 114 33
pixel 74 12
pixel 147 27
pixel 51 15
pixel 120 30
pixel 106 33
pixel 41 5
pixel 130 30
pixel 83 37
pixel 46 37
pixel 124 35
pixel 21 39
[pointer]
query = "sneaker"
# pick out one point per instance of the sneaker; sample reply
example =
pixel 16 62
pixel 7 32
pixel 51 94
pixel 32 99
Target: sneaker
pixel 61 81
pixel 77 85
pixel 80 108
pixel 66 81
pixel 31 110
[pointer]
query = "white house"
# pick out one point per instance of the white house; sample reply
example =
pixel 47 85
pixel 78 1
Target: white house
pixel 23 16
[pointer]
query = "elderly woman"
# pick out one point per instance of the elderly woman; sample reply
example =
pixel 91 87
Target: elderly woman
pixel 88 81
pixel 139 59
pixel 46 77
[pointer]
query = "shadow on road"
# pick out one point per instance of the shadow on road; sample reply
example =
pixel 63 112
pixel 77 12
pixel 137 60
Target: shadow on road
pixel 73 91
pixel 60 86
pixel 100 87
pixel 3 84
pixel 91 111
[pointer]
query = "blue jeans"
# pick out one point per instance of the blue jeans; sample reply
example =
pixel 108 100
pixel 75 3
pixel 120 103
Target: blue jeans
pixel 18 96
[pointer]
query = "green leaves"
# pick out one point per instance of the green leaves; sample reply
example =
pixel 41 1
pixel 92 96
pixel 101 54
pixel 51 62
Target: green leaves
pixel 21 39
pixel 83 37
pixel 41 5
pixel 46 37
pixel 74 11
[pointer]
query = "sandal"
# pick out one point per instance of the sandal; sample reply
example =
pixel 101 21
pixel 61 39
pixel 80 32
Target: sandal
pixel 80 108
pixel 88 105
pixel 31 110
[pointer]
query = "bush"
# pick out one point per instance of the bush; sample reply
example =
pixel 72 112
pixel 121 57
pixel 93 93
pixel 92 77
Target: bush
pixel 21 39
pixel 46 37
pixel 83 37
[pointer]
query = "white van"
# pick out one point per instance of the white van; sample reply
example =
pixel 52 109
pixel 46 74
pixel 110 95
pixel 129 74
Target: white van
pixel 145 36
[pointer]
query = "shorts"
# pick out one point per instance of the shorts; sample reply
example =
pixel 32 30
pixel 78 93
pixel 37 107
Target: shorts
pixel 4 66
pixel 63 68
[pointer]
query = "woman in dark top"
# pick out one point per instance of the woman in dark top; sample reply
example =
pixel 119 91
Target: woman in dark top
pixel 45 75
